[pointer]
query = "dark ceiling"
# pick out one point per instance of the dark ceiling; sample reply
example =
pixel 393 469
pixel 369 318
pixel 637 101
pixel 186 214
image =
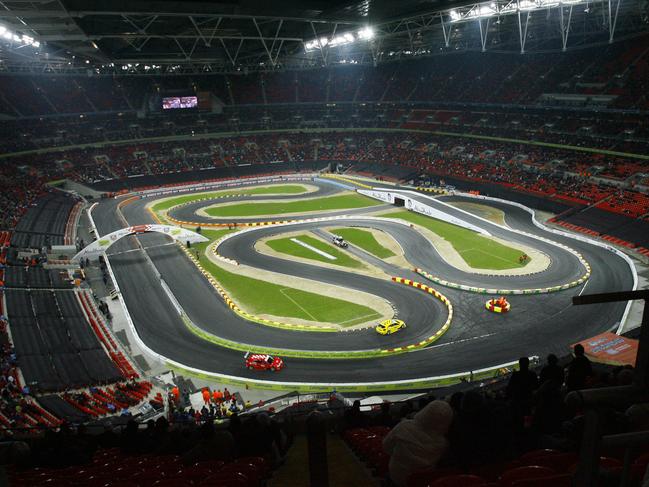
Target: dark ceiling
pixel 235 35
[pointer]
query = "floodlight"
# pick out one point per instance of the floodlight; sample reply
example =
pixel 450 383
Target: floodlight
pixel 367 33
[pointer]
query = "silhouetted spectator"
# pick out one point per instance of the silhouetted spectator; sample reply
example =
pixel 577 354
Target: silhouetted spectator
pixel 519 391
pixel 481 430
pixel 354 417
pixel 579 370
pixel 549 408
pixel 384 418
pixel 552 371
pixel 212 445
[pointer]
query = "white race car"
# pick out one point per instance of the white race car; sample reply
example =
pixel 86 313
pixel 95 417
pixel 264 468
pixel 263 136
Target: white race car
pixel 339 241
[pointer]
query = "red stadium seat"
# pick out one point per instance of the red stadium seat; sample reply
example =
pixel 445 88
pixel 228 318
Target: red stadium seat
pixel 527 457
pixel 423 478
pixel 463 480
pixel 554 481
pixel 560 462
pixel 508 478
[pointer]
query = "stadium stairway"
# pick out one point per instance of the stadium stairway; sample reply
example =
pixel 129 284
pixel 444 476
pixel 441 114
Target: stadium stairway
pixel 344 467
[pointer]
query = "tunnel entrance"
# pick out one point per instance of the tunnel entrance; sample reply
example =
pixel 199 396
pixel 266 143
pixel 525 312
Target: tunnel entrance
pixel 399 201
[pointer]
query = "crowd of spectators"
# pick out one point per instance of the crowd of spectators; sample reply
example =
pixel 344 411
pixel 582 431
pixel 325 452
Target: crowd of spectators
pixel 614 131
pixel 550 172
pixel 482 430
pixel 490 427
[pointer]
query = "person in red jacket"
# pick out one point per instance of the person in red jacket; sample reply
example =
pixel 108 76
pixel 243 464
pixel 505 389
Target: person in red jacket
pixel 206 395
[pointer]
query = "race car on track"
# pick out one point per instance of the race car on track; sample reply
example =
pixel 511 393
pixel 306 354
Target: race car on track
pixel 262 361
pixel 388 327
pixel 339 241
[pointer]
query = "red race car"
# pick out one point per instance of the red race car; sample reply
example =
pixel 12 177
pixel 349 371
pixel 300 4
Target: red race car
pixel 262 361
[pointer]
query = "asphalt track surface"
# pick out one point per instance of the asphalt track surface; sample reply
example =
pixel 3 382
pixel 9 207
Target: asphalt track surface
pixel 537 324
pixel 188 212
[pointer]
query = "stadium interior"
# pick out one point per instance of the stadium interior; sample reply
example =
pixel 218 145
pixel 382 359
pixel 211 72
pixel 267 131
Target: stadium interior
pixel 249 244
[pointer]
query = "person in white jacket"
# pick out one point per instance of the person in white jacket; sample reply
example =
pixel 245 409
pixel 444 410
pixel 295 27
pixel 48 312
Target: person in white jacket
pixel 418 443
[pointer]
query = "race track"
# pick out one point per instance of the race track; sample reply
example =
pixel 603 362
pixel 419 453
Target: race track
pixel 537 324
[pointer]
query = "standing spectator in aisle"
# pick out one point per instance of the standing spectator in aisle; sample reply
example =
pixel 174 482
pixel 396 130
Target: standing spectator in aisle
pixel 418 443
pixel 354 417
pixel 520 388
pixel 579 370
pixel 552 371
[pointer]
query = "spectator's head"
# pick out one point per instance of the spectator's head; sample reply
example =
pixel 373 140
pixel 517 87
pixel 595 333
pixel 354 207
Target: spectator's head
pixel 436 417
pixel 472 402
pixel 578 350
pixel 523 363
pixel 356 406
pixel 638 417
pixel 624 377
pixel 456 400
pixel 161 424
pixel 552 359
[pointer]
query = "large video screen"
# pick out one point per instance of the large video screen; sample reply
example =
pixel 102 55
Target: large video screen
pixel 179 102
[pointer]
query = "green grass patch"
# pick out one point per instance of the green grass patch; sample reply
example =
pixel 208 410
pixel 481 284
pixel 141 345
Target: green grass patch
pixel 292 189
pixel 289 247
pixel 478 251
pixel 261 297
pixel 339 202
pixel 365 240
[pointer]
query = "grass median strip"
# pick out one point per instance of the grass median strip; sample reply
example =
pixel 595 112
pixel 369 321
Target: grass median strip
pixel 364 240
pixel 330 203
pixel 288 246
pixel 290 189
pixel 477 251
pixel 261 297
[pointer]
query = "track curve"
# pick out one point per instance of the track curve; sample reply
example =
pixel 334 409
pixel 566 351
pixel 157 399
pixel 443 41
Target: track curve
pixel 536 324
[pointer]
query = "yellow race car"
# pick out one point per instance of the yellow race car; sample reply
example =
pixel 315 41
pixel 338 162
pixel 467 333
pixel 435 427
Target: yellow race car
pixel 388 327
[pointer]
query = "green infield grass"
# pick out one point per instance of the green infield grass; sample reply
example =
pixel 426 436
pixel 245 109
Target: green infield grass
pixel 365 240
pixel 289 247
pixel 292 189
pixel 261 297
pixel 478 251
pixel 339 202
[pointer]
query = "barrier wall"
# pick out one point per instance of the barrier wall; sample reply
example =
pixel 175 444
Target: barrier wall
pixel 224 184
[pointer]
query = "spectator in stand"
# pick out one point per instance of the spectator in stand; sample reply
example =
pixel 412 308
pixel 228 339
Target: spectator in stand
pixel 481 429
pixel 549 407
pixel 579 370
pixel 212 445
pixel 519 391
pixel 354 417
pixel 418 443
pixel 552 371
pixel 384 417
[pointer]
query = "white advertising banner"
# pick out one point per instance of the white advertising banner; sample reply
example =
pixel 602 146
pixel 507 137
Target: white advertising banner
pixel 102 244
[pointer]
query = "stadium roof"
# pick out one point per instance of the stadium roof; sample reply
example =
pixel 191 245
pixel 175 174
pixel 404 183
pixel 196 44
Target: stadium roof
pixel 164 36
